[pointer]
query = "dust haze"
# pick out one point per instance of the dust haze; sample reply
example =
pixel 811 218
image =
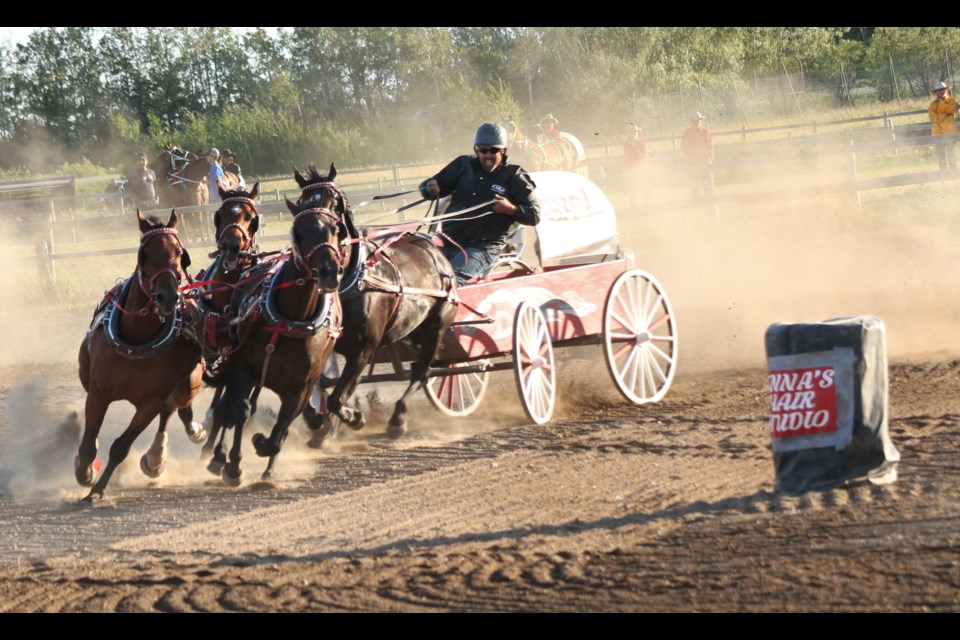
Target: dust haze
pixel 729 275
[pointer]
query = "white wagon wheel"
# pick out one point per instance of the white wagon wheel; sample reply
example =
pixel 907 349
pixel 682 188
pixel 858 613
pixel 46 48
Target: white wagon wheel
pixel 533 363
pixel 458 395
pixel 639 337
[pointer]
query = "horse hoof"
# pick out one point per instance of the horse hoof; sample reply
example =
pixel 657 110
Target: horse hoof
pixel 316 440
pixel 215 467
pixel 396 431
pixel 229 479
pixel 87 476
pixel 196 432
pixel 263 447
pixel 151 472
pixel 357 422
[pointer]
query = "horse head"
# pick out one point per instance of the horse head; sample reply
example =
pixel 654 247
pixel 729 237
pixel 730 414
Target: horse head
pixel 322 191
pixel 317 227
pixel 161 262
pixel 237 221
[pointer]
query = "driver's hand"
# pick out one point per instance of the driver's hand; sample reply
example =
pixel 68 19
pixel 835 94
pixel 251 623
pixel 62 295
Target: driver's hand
pixel 504 206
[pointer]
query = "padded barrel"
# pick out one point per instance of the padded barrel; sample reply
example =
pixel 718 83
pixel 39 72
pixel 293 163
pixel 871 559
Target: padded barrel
pixel 829 403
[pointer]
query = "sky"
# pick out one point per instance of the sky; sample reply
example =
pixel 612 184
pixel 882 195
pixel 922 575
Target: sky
pixel 15 34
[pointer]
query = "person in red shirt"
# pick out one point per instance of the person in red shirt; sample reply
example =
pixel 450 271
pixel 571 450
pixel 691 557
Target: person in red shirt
pixel 634 149
pixel 549 127
pixel 696 147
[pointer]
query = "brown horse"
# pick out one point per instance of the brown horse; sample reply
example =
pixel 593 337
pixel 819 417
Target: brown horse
pixel 398 292
pixel 236 222
pixel 140 348
pixel 551 154
pixel 182 182
pixel 179 174
pixel 287 319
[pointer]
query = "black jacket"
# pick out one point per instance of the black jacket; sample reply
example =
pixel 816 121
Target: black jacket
pixel 469 185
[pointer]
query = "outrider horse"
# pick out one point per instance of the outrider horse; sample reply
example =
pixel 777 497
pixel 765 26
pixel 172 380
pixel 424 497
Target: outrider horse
pixel 553 154
pixel 181 182
pixel 140 347
pixel 287 319
pixel 398 291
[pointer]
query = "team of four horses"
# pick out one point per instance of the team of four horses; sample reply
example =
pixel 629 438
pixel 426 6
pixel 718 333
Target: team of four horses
pixel 257 319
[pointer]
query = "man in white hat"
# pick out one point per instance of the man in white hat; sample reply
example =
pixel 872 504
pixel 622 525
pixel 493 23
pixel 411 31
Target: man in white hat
pixel 942 112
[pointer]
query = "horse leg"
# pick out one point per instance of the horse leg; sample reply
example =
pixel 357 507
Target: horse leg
pixel 291 406
pixel 427 336
pixel 195 430
pixel 213 424
pixel 346 383
pixel 86 464
pixel 121 446
pixel 236 411
pixel 154 462
pixel 321 422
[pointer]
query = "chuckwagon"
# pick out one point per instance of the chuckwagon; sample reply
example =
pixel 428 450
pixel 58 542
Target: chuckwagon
pixel 566 283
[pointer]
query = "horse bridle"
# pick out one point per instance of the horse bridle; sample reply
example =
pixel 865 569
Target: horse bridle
pixel 250 241
pixel 328 217
pixel 147 288
pixel 176 170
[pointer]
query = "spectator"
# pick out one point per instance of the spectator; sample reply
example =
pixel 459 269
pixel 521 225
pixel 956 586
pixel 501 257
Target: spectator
pixel 634 149
pixel 142 185
pixel 496 197
pixel 696 147
pixel 942 112
pixel 215 174
pixel 230 166
pixel 549 126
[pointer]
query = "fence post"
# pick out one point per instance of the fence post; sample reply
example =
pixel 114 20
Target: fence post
pixel 852 174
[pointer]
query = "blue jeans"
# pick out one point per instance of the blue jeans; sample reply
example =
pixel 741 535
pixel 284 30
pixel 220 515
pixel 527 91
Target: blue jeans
pixel 469 263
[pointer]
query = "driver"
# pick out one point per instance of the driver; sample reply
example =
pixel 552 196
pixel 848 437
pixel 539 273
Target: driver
pixel 504 194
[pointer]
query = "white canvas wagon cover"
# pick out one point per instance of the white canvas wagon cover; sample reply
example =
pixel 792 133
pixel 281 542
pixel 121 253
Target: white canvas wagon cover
pixel 576 218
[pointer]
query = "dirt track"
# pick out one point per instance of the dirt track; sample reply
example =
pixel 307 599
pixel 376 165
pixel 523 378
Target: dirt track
pixel 611 507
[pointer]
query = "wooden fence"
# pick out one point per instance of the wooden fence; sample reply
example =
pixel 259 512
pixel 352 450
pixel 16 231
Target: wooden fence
pixel 845 148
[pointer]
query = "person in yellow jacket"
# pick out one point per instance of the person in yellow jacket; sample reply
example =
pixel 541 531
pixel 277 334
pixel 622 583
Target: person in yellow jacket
pixel 942 112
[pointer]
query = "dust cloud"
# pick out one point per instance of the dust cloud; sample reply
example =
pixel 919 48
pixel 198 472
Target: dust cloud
pixel 732 272
pixel 729 273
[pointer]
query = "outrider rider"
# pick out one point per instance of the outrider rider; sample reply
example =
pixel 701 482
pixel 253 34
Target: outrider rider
pixel 504 196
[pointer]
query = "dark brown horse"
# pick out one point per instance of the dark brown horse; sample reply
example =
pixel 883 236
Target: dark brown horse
pixel 398 292
pixel 236 222
pixel 287 319
pixel 140 348
pixel 550 154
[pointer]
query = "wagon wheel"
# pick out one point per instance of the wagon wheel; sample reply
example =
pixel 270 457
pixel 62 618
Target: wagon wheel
pixel 639 337
pixel 458 395
pixel 533 363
